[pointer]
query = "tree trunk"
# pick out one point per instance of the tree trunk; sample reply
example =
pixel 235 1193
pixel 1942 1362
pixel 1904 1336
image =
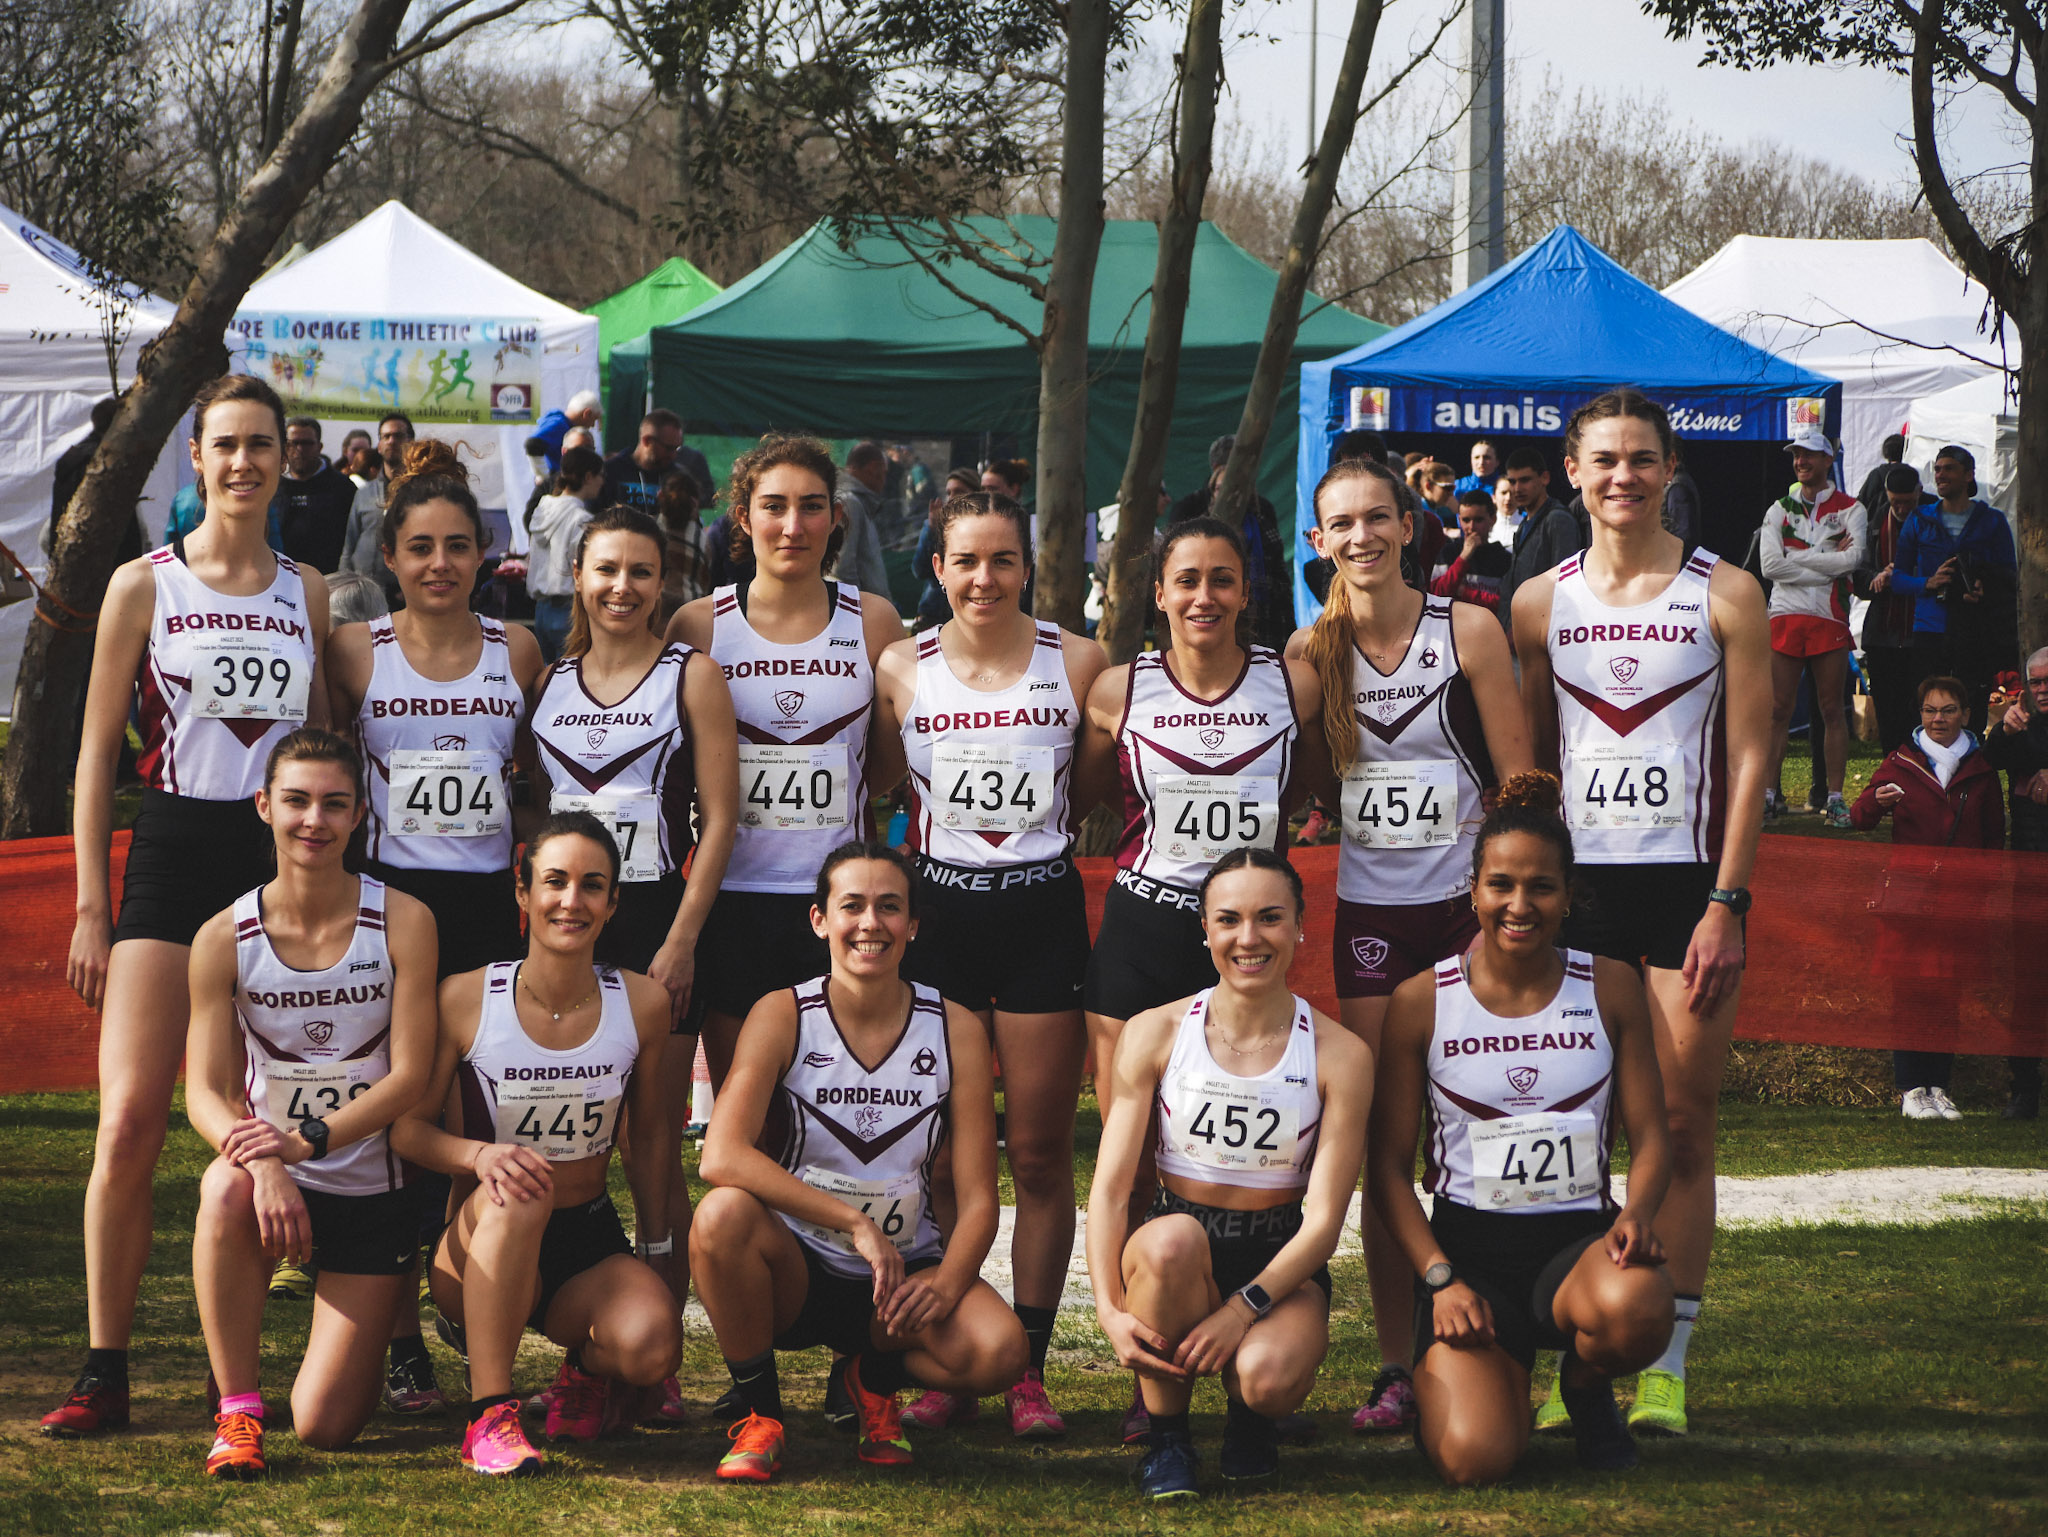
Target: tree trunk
pixel 1128 580
pixel 1276 351
pixel 281 84
pixel 35 768
pixel 1063 352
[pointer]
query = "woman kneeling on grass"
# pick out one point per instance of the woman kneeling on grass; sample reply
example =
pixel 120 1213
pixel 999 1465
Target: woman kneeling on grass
pixel 312 1031
pixel 1519 1055
pixel 548 1051
pixel 1261 1106
pixel 830 1239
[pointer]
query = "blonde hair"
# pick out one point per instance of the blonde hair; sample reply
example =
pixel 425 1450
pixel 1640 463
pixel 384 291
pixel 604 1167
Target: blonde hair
pixel 1331 639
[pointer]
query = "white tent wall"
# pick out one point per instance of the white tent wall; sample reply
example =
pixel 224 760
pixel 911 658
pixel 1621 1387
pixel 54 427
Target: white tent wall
pixel 1978 416
pixel 1894 320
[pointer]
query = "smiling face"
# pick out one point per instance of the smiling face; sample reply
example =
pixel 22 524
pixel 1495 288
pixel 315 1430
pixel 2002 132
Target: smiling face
pixel 790 518
pixel 1952 479
pixel 1201 591
pixel 1810 467
pixel 982 567
pixel 437 557
pixel 1360 528
pixel 866 920
pixel 1622 470
pixel 312 807
pixel 1521 894
pixel 572 894
pixel 239 458
pixel 619 581
pixel 1252 926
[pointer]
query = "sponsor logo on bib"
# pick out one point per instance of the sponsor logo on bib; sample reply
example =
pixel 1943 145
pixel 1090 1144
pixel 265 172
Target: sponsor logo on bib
pixel 1371 954
pixel 320 1031
pixel 1522 1079
pixel 1623 668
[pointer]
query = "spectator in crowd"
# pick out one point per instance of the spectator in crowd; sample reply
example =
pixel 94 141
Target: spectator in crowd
pixel 547 444
pixel 356 440
pixel 1888 618
pixel 353 598
pixel 69 474
pixel 933 606
pixel 1812 541
pixel 314 499
pixel 1266 571
pixel 633 476
pixel 860 502
pixel 1872 492
pixel 1440 492
pixel 1955 560
pixel 684 579
pixel 1011 476
pixel 1471 571
pixel 1485 469
pixel 1550 530
pixel 575 437
pixel 362 546
pixel 1939 789
pixel 2018 743
pixel 361 461
pixel 554 529
pixel 727 560
pixel 1682 514
pixel 1507 517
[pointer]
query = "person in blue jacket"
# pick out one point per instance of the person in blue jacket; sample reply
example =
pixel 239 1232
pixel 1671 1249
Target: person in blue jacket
pixel 1955 559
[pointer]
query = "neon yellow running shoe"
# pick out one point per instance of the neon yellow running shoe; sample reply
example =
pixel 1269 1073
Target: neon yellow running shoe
pixel 1550 1414
pixel 1660 1404
pixel 291 1281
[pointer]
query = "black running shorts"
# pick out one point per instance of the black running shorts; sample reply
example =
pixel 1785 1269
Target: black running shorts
pixel 1516 1261
pixel 1149 950
pixel 476 913
pixel 364 1234
pixel 1241 1243
pixel 187 860
pixel 838 1310
pixel 1013 939
pixel 1642 914
pixel 755 943
pixel 578 1238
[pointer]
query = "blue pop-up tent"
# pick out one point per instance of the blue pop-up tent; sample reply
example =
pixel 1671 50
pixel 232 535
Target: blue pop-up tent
pixel 1514 355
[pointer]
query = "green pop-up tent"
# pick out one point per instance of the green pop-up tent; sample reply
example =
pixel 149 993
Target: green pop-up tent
pixel 671 290
pixel 865 341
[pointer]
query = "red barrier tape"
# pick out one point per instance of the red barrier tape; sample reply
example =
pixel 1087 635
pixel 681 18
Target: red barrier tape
pixel 1851 944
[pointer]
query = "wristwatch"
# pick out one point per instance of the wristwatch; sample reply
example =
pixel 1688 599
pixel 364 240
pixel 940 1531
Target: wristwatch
pixel 1438 1276
pixel 314 1130
pixel 1735 898
pixel 1255 1298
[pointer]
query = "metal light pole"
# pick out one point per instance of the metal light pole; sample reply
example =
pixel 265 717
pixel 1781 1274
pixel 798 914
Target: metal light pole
pixel 1312 29
pixel 1478 214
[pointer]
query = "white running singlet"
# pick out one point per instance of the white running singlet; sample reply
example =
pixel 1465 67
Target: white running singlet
pixel 223 681
pixel 1641 737
pixel 1410 802
pixel 989 771
pixel 629 764
pixel 314 1040
pixel 1202 776
pixel 1259 1133
pixel 864 1135
pixel 439 757
pixel 1520 1111
pixel 563 1105
pixel 802 712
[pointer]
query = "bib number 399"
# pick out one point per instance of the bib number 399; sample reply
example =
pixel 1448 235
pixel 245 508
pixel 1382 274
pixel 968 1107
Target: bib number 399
pixel 985 789
pixel 244 677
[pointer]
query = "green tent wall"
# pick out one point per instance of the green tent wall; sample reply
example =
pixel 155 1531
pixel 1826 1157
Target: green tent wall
pixel 850 343
pixel 668 292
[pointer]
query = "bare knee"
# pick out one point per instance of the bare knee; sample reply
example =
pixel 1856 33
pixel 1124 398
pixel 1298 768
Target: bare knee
pixel 726 1219
pixel 320 1427
pixel 1633 1322
pixel 130 1138
pixel 1464 1458
pixel 1168 1248
pixel 1046 1173
pixel 997 1356
pixel 1273 1387
pixel 645 1343
pixel 226 1193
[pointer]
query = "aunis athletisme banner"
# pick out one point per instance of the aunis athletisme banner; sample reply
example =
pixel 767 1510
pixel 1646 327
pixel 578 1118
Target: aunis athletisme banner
pixel 474 370
pixel 1718 418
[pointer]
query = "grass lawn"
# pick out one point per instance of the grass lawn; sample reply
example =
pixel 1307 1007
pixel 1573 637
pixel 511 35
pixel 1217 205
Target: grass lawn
pixel 1846 1380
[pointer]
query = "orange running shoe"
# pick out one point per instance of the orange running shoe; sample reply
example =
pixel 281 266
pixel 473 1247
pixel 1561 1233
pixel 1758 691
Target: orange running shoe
pixel 756 1454
pixel 237 1453
pixel 882 1442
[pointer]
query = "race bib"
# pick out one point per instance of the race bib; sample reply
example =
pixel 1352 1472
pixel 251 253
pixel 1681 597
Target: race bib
pixel 1201 818
pixel 793 789
pixel 246 677
pixel 980 788
pixel 447 794
pixel 294 1090
pixel 560 1122
pixel 1534 1160
pixel 896 1206
pixel 634 821
pixel 1619 787
pixel 1402 805
pixel 1228 1124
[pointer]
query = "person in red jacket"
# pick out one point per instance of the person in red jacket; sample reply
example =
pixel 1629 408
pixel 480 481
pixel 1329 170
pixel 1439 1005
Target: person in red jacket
pixel 1940 790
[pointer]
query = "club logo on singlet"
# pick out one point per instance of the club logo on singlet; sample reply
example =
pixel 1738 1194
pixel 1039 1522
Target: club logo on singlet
pixel 789 701
pixel 1212 739
pixel 867 1121
pixel 1522 1079
pixel 595 737
pixel 1428 658
pixel 320 1031
pixel 1623 668
pixel 1371 954
pixel 925 1064
pixel 451 743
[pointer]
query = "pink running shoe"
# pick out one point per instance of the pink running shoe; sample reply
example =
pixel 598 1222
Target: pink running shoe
pixel 662 1405
pixel 577 1405
pixel 1390 1406
pixel 497 1446
pixel 934 1410
pixel 1032 1416
pixel 1136 1429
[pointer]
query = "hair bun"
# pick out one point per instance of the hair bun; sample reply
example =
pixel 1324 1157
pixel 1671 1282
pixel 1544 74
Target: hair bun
pixel 1532 791
pixel 434 456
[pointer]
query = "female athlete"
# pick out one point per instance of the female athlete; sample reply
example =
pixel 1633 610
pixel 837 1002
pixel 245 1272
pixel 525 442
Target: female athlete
pixel 1260 1104
pixel 1516 1059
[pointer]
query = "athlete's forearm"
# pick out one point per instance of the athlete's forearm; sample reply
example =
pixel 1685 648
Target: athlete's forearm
pixel 647 1171
pixel 422 1142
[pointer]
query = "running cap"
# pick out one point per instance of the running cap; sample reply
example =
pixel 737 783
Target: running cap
pixel 1813 440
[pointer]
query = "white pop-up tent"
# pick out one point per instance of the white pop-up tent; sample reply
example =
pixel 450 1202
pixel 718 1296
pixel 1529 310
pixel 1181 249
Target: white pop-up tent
pixel 1894 320
pixel 54 365
pixel 1980 416
pixel 395 265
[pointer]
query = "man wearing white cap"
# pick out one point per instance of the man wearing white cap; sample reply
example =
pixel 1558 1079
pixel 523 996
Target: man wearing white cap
pixel 1813 538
